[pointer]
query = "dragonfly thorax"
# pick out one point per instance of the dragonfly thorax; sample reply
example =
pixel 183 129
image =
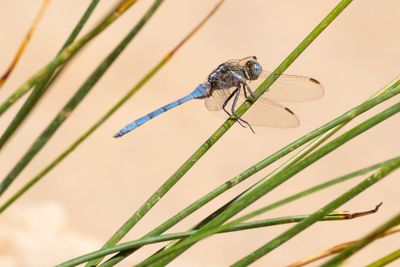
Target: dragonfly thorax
pixel 225 77
pixel 233 74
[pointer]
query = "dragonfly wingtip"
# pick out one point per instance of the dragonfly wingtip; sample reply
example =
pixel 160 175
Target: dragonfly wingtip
pixel 314 81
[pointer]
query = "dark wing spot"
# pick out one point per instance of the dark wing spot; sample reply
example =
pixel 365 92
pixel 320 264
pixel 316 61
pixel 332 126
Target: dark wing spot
pixel 288 110
pixel 314 81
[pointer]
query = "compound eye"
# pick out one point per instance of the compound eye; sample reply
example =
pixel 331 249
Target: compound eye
pixel 249 64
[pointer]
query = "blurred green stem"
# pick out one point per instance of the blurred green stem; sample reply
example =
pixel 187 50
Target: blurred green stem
pixel 337 249
pixel 75 100
pixel 395 255
pixel 24 43
pixel 45 81
pixel 65 55
pixel 341 257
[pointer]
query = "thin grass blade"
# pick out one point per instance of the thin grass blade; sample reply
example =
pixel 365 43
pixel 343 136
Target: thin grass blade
pixel 65 55
pixel 235 228
pixel 76 99
pixel 395 255
pixel 342 256
pixel 24 43
pixel 336 249
pixel 45 82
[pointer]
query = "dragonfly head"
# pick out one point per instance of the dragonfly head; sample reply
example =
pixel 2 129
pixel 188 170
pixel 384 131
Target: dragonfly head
pixel 252 68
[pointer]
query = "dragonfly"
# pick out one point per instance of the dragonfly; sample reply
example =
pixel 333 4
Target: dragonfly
pixel 231 83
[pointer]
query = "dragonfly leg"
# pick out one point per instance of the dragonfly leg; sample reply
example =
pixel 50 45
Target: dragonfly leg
pixel 233 108
pixel 246 86
pixel 240 121
pixel 245 92
pixel 234 104
pixel 235 93
pixel 227 101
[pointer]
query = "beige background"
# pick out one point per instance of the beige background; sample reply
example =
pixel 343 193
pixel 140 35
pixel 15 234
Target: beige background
pixel 81 202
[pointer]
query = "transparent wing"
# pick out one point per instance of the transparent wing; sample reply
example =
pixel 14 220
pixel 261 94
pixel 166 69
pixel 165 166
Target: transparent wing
pixel 217 98
pixel 264 112
pixel 240 61
pixel 291 88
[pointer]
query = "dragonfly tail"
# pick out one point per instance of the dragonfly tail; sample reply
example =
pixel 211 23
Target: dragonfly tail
pixel 199 92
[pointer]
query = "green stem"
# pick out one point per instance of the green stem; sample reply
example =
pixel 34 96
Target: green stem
pixel 44 82
pixel 356 190
pixel 75 100
pixel 268 185
pixel 65 55
pixel 395 255
pixel 313 189
pixel 342 256
pixel 167 237
pixel 22 47
pixel 75 32
pixel 192 160
pixel 391 91
pixel 282 168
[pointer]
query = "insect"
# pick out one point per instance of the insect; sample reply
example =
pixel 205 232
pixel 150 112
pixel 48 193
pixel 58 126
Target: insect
pixel 231 83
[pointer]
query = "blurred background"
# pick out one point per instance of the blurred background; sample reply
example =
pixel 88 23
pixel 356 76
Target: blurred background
pixel 90 194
